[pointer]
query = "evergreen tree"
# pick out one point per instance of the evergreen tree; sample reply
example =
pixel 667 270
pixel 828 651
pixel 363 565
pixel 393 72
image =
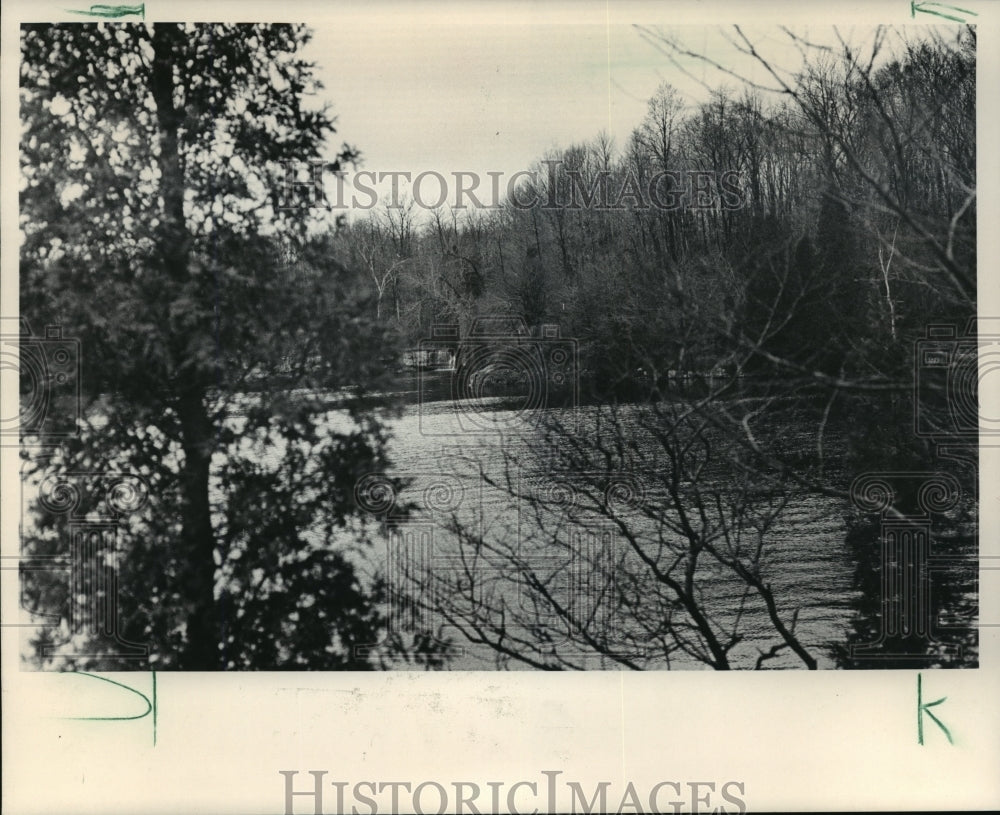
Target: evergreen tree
pixel 153 158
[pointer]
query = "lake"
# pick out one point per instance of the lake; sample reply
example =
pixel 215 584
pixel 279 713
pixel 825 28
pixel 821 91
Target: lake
pixel 542 514
pixel 509 517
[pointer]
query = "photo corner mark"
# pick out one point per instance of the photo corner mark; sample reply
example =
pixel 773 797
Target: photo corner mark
pixel 924 708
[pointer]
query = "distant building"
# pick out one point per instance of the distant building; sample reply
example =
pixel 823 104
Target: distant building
pixel 434 358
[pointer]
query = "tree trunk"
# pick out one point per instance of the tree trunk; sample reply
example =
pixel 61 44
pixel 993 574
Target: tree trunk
pixel 197 545
pixel 197 540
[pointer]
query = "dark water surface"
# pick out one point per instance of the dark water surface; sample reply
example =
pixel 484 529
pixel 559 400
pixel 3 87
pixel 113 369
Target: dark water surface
pixel 442 449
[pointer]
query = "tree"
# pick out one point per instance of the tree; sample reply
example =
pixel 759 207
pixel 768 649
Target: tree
pixel 642 544
pixel 773 339
pixel 218 367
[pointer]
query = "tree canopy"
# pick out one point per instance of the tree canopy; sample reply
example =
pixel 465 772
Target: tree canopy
pixel 215 342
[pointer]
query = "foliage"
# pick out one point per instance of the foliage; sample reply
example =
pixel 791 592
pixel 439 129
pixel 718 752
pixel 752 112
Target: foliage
pixel 220 348
pixel 799 303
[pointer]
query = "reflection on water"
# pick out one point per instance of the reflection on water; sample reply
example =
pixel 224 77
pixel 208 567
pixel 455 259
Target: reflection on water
pixel 806 561
pixel 477 467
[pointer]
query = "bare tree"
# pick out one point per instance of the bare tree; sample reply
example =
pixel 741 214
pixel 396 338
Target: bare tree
pixel 642 545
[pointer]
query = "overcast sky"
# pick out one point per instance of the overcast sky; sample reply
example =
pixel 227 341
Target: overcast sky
pixel 478 98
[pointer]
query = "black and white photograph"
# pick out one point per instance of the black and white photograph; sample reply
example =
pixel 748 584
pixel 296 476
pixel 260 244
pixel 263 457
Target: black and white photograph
pixel 406 340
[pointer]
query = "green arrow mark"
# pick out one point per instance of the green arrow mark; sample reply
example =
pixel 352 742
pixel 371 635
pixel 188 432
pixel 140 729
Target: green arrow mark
pixel 107 11
pixel 923 7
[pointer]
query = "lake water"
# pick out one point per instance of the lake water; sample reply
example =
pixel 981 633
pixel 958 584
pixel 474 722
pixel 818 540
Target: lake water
pixel 444 451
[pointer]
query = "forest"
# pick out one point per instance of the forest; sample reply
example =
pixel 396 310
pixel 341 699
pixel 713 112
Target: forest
pixel 797 322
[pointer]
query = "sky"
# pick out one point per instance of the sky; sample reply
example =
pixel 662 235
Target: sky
pixel 497 97
pixel 468 98
pixel 479 98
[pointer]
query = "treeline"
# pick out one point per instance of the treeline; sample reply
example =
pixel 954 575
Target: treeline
pixel 149 238
pixel 847 225
pixel 784 282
